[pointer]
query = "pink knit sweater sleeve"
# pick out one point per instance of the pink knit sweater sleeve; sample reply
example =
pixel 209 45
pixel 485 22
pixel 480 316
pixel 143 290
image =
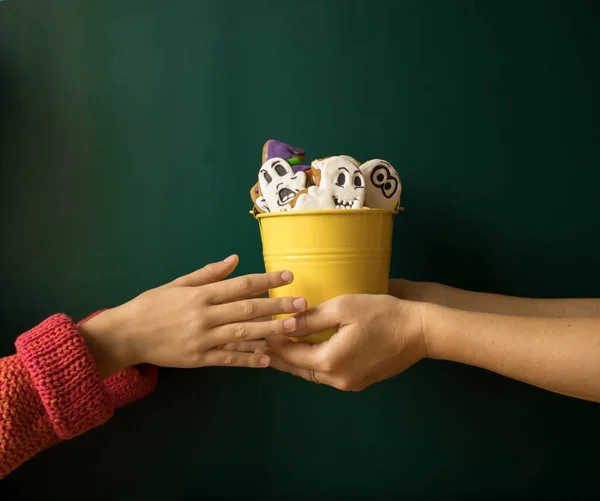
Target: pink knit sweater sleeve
pixel 51 391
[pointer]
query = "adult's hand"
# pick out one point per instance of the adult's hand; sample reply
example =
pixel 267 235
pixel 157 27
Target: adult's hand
pixel 379 336
pixel 197 320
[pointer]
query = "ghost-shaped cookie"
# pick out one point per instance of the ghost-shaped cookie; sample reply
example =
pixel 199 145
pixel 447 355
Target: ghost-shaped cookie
pixel 278 184
pixel 383 185
pixel 338 184
pixel 294 157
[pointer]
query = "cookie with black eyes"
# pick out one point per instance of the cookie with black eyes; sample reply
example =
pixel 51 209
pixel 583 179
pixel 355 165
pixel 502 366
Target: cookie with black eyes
pixel 383 187
pixel 278 183
pixel 337 184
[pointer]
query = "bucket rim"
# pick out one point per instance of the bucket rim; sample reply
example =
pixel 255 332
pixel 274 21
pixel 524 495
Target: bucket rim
pixel 364 210
pixel 326 212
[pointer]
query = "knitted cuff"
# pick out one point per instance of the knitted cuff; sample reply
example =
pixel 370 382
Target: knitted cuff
pixel 65 376
pixel 131 384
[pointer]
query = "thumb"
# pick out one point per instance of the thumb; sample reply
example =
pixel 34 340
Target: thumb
pixel 211 273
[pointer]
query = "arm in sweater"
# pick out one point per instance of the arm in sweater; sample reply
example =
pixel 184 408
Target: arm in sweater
pixel 67 378
pixel 51 390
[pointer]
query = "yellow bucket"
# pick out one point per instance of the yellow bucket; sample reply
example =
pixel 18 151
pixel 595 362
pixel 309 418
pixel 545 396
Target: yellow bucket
pixel 330 253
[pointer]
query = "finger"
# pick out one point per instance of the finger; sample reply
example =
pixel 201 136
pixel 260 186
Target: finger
pixel 247 346
pixel 319 318
pixel 300 355
pixel 251 331
pixel 247 286
pixel 250 309
pixel 211 273
pixel 280 364
pixel 227 358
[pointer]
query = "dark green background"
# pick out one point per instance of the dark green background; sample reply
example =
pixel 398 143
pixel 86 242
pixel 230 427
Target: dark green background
pixel 115 116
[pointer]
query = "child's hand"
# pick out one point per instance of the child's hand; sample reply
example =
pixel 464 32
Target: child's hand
pixel 196 320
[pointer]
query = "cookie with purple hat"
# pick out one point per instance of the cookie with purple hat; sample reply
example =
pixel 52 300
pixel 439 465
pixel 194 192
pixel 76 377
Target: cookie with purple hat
pixel 280 178
pixel 273 148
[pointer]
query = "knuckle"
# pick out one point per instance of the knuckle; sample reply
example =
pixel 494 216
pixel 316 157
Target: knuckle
pixel 228 360
pixel 328 363
pixel 336 307
pixel 248 308
pixel 240 331
pixel 197 324
pixel 195 356
pixel 199 295
pixel 244 284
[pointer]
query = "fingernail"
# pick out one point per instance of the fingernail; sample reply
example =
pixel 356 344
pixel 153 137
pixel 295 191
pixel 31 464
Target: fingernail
pixel 264 361
pixel 289 324
pixel 299 304
pixel 287 276
pixel 230 259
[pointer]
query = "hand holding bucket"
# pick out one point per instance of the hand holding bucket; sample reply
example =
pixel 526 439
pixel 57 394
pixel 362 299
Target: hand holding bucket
pixel 330 253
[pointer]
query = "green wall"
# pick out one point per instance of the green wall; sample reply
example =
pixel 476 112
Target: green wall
pixel 113 115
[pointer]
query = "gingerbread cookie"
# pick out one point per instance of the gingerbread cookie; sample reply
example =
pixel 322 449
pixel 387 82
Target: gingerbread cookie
pixel 260 204
pixel 288 167
pixel 383 187
pixel 338 184
pixel 278 184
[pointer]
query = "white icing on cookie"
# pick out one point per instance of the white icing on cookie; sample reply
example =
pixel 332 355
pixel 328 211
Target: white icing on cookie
pixel 383 185
pixel 262 205
pixel 341 185
pixel 279 184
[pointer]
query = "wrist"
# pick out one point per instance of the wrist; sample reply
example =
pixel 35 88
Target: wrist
pixel 406 326
pixel 438 331
pixel 106 337
pixel 426 292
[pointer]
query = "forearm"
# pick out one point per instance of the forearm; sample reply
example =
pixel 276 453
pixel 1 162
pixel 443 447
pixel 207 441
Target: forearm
pixel 452 297
pixel 558 354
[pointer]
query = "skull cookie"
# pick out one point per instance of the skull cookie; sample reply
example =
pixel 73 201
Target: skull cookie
pixel 279 183
pixel 383 185
pixel 339 184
